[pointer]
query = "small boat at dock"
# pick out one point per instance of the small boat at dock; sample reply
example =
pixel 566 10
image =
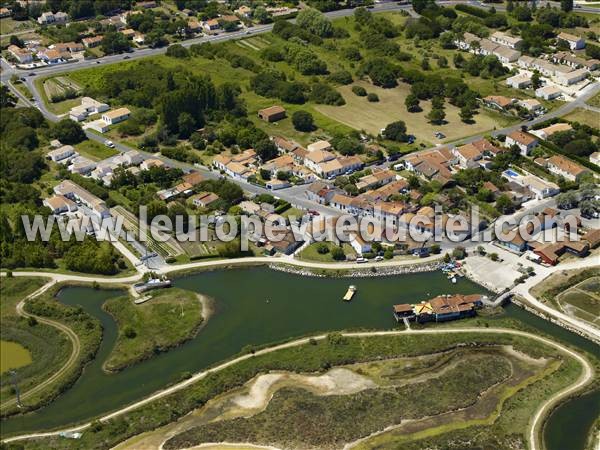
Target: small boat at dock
pixel 350 293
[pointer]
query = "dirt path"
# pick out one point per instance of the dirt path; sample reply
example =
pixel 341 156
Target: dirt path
pixel 71 335
pixel 535 424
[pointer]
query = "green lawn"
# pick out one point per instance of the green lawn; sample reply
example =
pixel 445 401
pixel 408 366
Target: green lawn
pixel 372 117
pixel 594 101
pixel 584 116
pixel 310 253
pixel 94 150
pixel 169 318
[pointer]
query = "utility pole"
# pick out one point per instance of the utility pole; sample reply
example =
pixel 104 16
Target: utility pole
pixel 13 380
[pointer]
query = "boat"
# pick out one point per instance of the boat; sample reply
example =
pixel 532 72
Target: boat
pixel 152 283
pixel 350 293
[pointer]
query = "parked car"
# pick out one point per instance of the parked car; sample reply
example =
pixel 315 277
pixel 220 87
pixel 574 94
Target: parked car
pixel 379 258
pixel 361 260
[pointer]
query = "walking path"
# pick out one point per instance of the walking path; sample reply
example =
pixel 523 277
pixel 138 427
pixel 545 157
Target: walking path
pixel 534 427
pixel 71 335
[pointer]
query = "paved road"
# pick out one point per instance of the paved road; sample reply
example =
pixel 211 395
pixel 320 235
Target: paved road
pixel 584 379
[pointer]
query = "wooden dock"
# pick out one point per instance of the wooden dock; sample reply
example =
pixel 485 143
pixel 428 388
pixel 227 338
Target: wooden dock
pixel 350 293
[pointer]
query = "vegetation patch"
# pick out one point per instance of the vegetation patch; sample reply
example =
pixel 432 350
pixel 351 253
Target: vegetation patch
pixel 169 318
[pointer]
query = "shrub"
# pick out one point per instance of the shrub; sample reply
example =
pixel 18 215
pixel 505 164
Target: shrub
pixel 359 90
pixel 372 97
pixel 322 248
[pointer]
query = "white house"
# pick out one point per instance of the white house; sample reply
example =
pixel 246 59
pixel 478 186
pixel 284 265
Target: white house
pixel 319 145
pixel 88 106
pixel 82 165
pixel 116 116
pixel 575 42
pixel 564 167
pixel 572 77
pixel 97 125
pixel 595 158
pixel 50 18
pixel 505 39
pixel 548 92
pixel 316 157
pixel 530 104
pixel 519 81
pixel 59 204
pixel 22 55
pixel 525 141
pixel 59 154
pixel 133 158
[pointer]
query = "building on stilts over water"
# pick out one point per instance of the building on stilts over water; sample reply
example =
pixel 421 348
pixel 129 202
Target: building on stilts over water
pixel 440 308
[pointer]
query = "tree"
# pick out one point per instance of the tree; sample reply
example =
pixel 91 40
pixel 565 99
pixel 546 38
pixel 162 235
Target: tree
pixel 7 99
pixel 396 131
pixel 186 124
pixel 261 14
pixel 68 132
pixel 504 204
pixel 337 253
pixel 536 81
pixel 114 42
pixel 466 113
pixel 315 22
pixel 359 90
pixel 266 150
pixel 177 51
pixel 303 121
pixel 436 116
pixel 589 208
pixel 566 5
pixel 566 200
pixel 372 97
pixel 412 103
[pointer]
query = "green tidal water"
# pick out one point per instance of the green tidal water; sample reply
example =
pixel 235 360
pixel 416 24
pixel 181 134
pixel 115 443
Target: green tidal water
pixel 254 306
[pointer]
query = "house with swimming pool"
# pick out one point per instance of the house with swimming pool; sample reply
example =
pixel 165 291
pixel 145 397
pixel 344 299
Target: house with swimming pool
pixel 539 188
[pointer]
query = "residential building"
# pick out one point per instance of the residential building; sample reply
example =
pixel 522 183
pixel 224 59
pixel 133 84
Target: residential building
pixel 152 162
pixel 377 178
pixel 320 192
pixel 22 55
pixel 75 192
pixel 525 141
pixel 572 77
pixel 530 104
pixel 139 38
pixel 548 92
pixel 319 145
pixel 314 158
pixel 60 204
pixel 575 42
pixel 116 116
pixel 193 26
pixel 62 153
pixel 244 11
pixel 564 167
pixel 545 133
pixel 505 54
pixel 91 42
pixel 505 39
pixel 193 178
pixel 129 33
pixel 5 12
pixel 49 17
pixel 519 81
pixel 574 61
pixel 467 156
pixel 53 56
pixel 272 113
pixel 204 199
pixel 284 145
pixel 72 47
pixel 88 106
pixel 97 125
pixel 498 102
pixel 211 25
pixel 595 158
pixel 82 165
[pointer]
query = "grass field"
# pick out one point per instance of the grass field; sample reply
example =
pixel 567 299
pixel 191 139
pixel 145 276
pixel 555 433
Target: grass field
pixel 310 253
pixel 40 349
pixel 594 101
pixel 584 116
pixel 13 356
pixel 169 318
pixel 94 150
pixel 582 300
pixel 372 117
pixel 9 25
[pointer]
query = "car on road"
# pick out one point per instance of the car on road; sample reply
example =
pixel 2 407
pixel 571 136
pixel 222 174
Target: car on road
pixel 379 258
pixel 109 144
pixel 312 212
pixel 361 260
pixel 32 74
pixel 126 57
pixel 98 62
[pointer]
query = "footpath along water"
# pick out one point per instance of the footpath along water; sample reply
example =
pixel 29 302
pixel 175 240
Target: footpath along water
pixel 254 306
